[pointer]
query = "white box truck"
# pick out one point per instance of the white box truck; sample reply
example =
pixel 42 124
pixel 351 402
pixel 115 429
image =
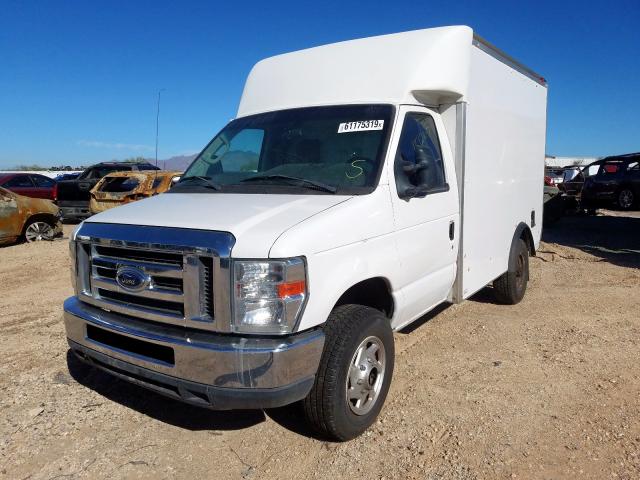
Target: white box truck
pixel 362 184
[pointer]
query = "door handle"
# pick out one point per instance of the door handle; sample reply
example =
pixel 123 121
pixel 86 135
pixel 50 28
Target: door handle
pixel 452 229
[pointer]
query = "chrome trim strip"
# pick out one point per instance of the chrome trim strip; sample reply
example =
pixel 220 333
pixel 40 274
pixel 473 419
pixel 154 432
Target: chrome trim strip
pixel 153 292
pixel 133 310
pixel 162 239
pixel 169 271
pixel 73 259
pixel 204 357
pixel 457 293
pixel 507 59
pixel 191 287
pixel 222 308
pixel 83 271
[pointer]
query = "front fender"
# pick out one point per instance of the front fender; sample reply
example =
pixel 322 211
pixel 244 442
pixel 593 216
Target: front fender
pixel 333 272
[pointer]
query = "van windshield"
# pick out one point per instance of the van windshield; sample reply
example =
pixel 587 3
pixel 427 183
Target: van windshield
pixel 324 150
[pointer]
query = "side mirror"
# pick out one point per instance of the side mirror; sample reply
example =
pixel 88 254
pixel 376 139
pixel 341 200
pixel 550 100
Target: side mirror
pixel 411 168
pixel 421 191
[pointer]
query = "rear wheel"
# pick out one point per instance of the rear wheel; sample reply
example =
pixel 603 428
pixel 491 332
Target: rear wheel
pixel 354 374
pixel 37 230
pixel 626 198
pixel 510 287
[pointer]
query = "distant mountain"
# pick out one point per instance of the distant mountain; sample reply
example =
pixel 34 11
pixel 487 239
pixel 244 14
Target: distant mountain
pixel 181 162
pixel 237 160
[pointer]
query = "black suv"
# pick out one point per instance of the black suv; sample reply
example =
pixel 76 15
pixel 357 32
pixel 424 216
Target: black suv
pixel 616 182
pixel 73 195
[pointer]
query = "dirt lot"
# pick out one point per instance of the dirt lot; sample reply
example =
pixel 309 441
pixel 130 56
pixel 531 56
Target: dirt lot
pixel 549 388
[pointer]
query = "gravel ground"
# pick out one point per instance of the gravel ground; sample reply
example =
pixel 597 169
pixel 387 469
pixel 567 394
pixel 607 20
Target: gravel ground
pixel 549 388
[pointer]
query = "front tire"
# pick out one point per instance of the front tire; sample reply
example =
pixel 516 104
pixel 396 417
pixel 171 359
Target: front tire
pixel 37 230
pixel 510 287
pixel 354 375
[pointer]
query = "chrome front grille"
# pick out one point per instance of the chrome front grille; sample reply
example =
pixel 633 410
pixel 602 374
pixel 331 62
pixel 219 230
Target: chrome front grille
pixel 183 275
pixel 163 296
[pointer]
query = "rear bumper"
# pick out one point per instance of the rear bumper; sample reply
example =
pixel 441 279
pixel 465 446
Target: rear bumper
pixel 217 371
pixel 74 209
pixel 97 206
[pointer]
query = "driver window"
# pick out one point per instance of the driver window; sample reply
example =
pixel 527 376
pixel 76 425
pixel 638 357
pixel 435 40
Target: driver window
pixel 418 160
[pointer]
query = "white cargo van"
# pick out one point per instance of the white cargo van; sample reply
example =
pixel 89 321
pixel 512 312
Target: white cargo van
pixel 361 184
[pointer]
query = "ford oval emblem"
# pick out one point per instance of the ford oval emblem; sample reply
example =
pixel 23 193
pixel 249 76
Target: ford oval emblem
pixel 131 278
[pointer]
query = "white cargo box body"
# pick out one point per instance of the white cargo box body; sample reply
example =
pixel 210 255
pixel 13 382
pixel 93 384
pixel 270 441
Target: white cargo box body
pixel 493 109
pixel 501 165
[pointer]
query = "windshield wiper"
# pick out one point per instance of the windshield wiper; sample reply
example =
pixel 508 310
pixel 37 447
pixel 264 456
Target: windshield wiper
pixel 297 181
pixel 201 182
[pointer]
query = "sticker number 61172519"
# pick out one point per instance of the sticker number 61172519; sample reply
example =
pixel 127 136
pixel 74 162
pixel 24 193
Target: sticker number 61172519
pixel 360 126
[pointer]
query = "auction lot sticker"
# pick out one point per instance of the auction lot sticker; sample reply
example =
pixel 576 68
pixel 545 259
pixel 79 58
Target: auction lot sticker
pixel 360 126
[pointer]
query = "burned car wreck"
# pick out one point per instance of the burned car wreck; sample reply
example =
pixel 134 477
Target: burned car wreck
pixel 124 187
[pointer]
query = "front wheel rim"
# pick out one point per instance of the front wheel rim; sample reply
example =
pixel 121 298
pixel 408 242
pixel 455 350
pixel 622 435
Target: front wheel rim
pixel 38 231
pixel 365 375
pixel 625 198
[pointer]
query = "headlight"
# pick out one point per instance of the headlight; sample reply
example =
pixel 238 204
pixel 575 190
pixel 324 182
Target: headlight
pixel 268 295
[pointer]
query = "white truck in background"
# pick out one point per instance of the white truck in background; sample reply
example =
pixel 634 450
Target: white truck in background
pixel 362 184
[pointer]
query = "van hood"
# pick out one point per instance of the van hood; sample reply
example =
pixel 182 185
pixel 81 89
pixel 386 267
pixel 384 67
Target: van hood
pixel 255 220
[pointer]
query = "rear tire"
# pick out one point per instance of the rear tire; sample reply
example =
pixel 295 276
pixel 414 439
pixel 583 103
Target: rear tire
pixel 510 287
pixel 626 199
pixel 354 374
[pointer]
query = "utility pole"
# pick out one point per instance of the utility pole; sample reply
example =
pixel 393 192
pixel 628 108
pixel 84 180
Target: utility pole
pixel 158 122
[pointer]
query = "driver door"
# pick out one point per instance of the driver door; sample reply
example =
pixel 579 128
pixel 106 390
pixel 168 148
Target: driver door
pixel 426 210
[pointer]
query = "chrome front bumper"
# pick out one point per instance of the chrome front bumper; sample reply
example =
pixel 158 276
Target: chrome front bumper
pixel 208 369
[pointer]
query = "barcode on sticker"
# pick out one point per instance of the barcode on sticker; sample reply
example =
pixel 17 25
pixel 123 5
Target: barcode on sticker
pixel 360 126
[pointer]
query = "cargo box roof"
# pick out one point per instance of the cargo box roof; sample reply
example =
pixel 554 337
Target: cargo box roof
pixel 430 66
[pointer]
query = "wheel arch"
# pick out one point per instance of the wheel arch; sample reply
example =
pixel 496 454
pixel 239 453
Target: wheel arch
pixel 374 292
pixel 523 232
pixel 627 185
pixel 44 217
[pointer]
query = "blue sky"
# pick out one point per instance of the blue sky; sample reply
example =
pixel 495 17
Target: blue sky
pixel 79 79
